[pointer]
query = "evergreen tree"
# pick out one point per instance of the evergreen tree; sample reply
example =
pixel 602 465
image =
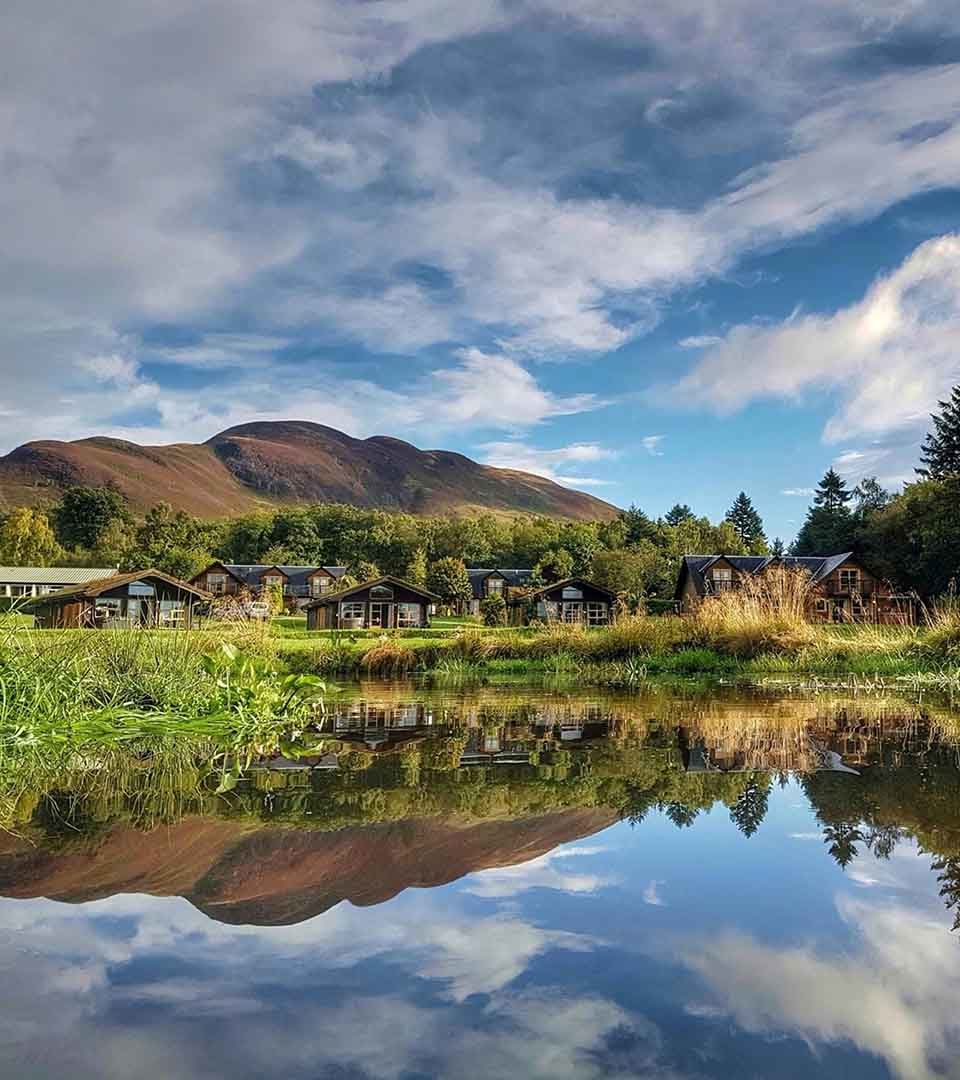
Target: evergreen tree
pixel 829 527
pixel 940 454
pixel 678 514
pixel 637 526
pixel 751 807
pixel 777 548
pixel 748 524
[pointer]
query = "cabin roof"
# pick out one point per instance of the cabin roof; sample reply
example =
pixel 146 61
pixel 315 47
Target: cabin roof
pixel 570 581
pixel 89 590
pixel 53 575
pixel 514 577
pixel 387 579
pixel 249 574
pixel 818 566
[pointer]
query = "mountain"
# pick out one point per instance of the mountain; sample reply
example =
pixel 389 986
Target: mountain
pixel 273 876
pixel 282 463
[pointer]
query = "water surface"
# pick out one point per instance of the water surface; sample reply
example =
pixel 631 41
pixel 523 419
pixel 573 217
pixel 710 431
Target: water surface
pixel 501 882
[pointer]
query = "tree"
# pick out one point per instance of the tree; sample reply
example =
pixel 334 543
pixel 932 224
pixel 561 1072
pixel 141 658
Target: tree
pixel 777 548
pixel 448 578
pixel 829 527
pixel 27 539
pixel 678 514
pixel 624 572
pixel 748 524
pixel 364 571
pixel 637 525
pixel 555 565
pixel 940 454
pixel 172 541
pixel 416 572
pixel 915 541
pixel 751 807
pixel 84 513
pixel 871 497
pixel 494 610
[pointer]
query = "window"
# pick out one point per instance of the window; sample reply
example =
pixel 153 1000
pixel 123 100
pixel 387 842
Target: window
pixel 822 606
pixel 141 588
pixel 722 579
pixel 596 614
pixel 107 607
pixel 572 613
pixel 849 580
pixel 570 593
pixel 381 592
pixel 494 586
pixel 408 615
pixel 352 609
pixel 173 613
pixel 217 584
pixel 319 585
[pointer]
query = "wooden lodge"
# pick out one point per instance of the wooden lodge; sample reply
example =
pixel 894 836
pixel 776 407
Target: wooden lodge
pixel 388 603
pixel 841 589
pixel 144 599
pixel 485 583
pixel 297 584
pixel 19 582
pixel 574 600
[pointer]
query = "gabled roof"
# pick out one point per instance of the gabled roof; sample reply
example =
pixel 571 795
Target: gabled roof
pixel 53 575
pixel 514 578
pixel 249 574
pixel 817 566
pixel 387 579
pixel 91 589
pixel 571 581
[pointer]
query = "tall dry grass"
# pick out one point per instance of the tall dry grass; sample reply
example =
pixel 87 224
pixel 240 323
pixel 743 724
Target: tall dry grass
pixel 767 612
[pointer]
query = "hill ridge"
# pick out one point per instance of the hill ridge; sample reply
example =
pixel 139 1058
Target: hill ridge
pixel 269 463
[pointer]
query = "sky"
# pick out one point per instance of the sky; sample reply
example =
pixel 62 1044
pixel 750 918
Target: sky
pixel 662 251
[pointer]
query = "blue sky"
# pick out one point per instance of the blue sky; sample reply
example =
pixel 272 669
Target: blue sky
pixel 661 251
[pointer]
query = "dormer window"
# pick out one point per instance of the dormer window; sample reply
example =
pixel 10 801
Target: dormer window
pixel 495 586
pixel 722 577
pixel 849 580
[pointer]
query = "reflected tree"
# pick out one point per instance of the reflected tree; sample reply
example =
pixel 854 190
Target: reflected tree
pixel 750 809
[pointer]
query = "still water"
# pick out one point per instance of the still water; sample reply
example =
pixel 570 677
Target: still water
pixel 501 882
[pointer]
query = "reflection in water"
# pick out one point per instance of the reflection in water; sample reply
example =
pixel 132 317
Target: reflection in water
pixel 560 884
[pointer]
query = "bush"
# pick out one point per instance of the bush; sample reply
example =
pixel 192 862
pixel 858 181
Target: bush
pixel 494 611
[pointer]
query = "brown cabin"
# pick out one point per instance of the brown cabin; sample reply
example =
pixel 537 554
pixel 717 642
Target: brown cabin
pixel 146 599
pixel 296 583
pixel 388 602
pixel 574 600
pixel 842 590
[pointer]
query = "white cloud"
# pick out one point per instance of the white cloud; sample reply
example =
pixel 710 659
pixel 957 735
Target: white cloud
pixel 651 443
pixel 544 872
pixel 699 341
pixel 891 355
pixel 798 491
pixel 552 464
pixel 651 894
pixel 893 998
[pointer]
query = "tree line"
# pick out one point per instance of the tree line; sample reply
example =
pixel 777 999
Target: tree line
pixel 912 538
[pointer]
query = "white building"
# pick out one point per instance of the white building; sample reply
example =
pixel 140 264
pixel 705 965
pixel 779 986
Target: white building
pixel 40 580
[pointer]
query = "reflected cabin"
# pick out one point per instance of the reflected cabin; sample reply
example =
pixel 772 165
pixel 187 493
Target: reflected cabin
pixel 841 589
pixel 387 602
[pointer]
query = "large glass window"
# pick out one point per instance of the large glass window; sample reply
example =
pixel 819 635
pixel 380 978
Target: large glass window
pixel 722 578
pixel 141 588
pixel 352 609
pixel 107 607
pixel 217 584
pixel 408 615
pixel 381 592
pixel 572 612
pixel 596 614
pixel 571 593
pixel 849 580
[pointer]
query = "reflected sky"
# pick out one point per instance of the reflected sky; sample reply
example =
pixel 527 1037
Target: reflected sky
pixel 614 950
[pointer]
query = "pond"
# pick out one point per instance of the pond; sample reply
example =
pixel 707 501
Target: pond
pixel 500 881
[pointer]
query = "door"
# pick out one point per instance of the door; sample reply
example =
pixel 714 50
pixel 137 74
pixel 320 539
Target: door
pixel 380 615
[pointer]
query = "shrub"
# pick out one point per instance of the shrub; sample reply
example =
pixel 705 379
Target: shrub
pixel 766 612
pixel 494 611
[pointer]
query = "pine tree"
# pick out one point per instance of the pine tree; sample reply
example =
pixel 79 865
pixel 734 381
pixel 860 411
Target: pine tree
pixel 678 514
pixel 748 524
pixel 829 528
pixel 777 548
pixel 940 454
pixel 751 807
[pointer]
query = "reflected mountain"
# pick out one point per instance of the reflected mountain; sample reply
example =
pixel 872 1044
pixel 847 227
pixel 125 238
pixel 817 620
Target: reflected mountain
pixel 405 787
